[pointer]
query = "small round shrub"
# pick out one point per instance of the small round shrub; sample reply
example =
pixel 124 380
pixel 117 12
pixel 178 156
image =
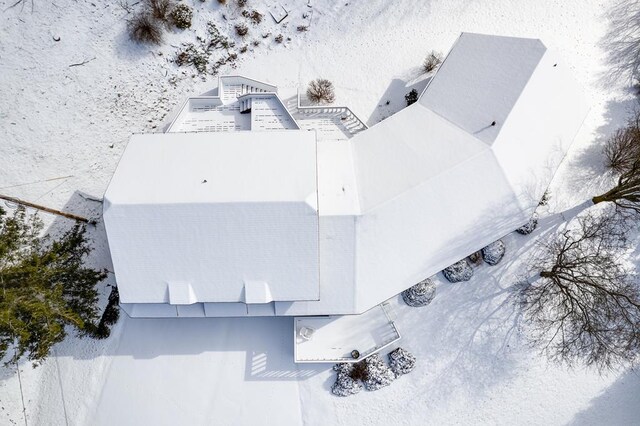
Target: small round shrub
pixel 530 226
pixel 241 3
pixel 321 90
pixel 401 362
pixel 494 252
pixel 459 271
pixel 279 38
pixel 379 374
pixel 411 97
pixel 345 385
pixel 181 16
pixel 255 16
pixel 144 29
pixel 420 294
pixel 432 61
pixel 242 30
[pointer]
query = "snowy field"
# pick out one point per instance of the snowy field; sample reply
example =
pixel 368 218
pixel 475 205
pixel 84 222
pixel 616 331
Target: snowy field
pixel 73 122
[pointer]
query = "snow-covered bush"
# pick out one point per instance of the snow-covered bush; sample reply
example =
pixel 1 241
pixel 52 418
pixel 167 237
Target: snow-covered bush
pixel 181 16
pixel 379 374
pixel 432 61
pixel 144 29
pixel 528 227
pixel 345 385
pixel 493 253
pixel 475 258
pixel 192 55
pixel 459 271
pixel 255 16
pixel 545 198
pixel 401 361
pixel 411 97
pixel 420 294
pixel 279 38
pixel 242 30
pixel 321 90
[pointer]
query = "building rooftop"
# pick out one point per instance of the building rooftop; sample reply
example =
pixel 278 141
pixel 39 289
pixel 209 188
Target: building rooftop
pixel 297 222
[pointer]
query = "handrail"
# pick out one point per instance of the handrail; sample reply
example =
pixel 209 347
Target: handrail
pixel 330 109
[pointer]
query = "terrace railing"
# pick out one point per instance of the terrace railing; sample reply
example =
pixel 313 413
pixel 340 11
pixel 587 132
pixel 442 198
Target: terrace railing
pixel 355 124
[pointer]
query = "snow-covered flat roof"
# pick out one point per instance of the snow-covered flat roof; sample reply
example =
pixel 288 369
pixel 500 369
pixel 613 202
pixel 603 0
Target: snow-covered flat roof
pixel 331 339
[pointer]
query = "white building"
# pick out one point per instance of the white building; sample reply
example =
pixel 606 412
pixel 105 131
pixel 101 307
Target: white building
pixel 240 210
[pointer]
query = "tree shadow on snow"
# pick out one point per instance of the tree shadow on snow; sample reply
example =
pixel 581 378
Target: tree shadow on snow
pixel 622 42
pixel 619 404
pixel 588 165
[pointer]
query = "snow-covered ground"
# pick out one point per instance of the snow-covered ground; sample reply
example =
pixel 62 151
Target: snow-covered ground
pixel 72 122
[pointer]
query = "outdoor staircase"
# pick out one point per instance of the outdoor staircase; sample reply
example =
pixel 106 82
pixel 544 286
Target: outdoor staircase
pixel 245 105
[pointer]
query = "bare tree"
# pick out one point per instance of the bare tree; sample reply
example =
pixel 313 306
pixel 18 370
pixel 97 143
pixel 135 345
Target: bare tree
pixel 623 148
pixel 585 307
pixel 321 90
pixel 431 62
pixel 626 193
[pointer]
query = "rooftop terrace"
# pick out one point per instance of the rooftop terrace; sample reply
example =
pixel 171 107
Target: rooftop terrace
pixel 241 104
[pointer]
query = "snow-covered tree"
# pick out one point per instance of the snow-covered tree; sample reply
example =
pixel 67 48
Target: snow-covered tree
pixel 420 294
pixel 401 361
pixel 494 252
pixel 459 271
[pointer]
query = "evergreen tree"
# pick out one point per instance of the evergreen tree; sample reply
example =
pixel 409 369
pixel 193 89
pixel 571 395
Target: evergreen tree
pixel 43 286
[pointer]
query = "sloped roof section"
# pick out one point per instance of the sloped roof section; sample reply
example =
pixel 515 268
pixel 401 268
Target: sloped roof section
pixel 215 213
pixel 406 150
pixel 173 168
pixel 481 80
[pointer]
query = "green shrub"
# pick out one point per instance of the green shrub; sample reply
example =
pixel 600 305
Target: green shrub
pixel 411 97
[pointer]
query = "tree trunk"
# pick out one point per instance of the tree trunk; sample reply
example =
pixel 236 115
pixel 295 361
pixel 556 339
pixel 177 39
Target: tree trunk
pixel 599 199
